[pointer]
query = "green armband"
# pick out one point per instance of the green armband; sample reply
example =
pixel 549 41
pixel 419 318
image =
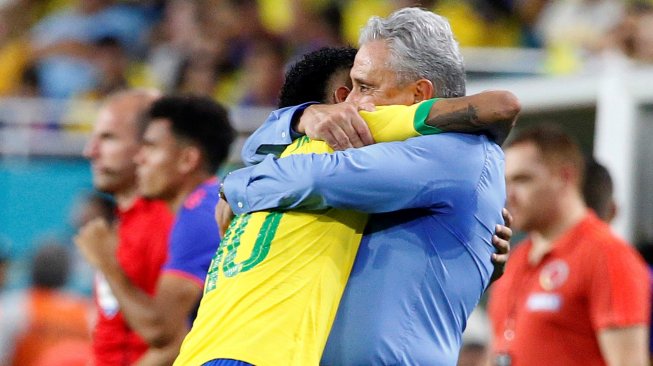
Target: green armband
pixel 422 115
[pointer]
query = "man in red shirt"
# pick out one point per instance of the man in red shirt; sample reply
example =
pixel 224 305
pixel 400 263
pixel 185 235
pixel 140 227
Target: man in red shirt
pixel 142 229
pixel 573 293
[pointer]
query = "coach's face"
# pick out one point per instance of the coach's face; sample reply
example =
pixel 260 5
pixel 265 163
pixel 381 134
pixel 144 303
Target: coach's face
pixel 374 81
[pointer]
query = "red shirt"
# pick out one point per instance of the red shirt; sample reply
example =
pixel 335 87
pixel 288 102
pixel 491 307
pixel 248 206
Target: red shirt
pixel 549 313
pixel 143 233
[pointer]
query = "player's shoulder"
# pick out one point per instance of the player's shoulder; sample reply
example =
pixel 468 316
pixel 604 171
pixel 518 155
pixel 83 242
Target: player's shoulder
pixel 599 234
pixel 204 195
pixel 145 209
pixel 601 241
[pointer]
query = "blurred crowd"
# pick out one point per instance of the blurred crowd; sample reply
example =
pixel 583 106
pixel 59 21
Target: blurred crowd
pixel 236 50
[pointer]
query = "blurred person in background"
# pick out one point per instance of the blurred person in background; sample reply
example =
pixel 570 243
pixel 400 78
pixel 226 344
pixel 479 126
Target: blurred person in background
pixel 185 140
pixel 140 241
pixel 645 248
pixel 175 40
pixel 44 323
pixel 634 36
pixel 5 262
pixel 4 269
pixel 14 48
pixel 575 31
pixel 112 64
pixel 598 190
pixel 262 74
pixel 198 75
pixel 28 86
pixel 314 25
pixel 573 293
pixel 243 45
pixel 62 43
pixel 598 194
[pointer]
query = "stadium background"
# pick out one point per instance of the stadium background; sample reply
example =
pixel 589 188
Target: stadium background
pixel 583 64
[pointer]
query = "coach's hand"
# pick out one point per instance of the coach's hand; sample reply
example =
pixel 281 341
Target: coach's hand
pixel 223 216
pixel 339 125
pixel 501 241
pixel 98 241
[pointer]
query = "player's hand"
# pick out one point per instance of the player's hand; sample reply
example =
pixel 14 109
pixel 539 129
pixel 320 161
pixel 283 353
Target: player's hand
pixel 501 241
pixel 223 216
pixel 339 125
pixel 98 241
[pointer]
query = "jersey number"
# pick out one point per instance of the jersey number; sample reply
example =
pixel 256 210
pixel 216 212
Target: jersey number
pixel 225 256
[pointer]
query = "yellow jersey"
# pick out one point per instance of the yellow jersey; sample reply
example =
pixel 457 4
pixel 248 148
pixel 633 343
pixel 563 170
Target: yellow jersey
pixel 274 285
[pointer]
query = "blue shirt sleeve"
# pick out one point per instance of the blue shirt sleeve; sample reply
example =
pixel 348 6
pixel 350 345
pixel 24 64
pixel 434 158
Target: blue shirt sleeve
pixel 195 237
pixel 273 136
pixel 421 172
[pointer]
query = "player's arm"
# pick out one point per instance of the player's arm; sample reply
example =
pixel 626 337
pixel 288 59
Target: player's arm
pixel 491 112
pixel 382 177
pixel 341 126
pixel 162 356
pixel 159 320
pixel 164 328
pixel 625 346
pixel 273 135
pixel 364 179
pixel 619 297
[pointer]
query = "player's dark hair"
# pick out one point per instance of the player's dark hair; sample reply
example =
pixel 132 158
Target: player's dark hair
pixel 200 120
pixel 308 78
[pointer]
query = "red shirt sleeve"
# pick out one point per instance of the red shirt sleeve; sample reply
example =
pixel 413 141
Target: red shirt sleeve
pixel 620 293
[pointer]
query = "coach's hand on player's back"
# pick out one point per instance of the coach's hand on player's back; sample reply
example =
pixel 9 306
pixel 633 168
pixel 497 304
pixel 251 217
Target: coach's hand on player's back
pixel 339 125
pixel 501 242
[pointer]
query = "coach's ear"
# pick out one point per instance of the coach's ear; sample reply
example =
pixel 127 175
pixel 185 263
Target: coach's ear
pixel 423 90
pixel 341 94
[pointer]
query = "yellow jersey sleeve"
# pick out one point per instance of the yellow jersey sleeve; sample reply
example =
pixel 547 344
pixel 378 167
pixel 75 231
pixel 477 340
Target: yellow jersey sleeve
pixel 400 122
pixel 387 123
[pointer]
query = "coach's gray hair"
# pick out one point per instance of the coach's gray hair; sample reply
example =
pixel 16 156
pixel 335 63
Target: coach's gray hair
pixel 422 46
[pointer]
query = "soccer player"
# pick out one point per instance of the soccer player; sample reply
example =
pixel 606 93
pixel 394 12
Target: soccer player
pixel 274 285
pixel 573 293
pixel 139 245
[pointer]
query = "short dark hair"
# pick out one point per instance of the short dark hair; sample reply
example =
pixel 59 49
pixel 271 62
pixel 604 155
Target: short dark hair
pixel 598 188
pixel 556 147
pixel 199 119
pixel 308 78
pixel 50 266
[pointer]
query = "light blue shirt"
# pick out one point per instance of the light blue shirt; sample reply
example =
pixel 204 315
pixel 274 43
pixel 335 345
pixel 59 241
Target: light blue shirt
pixel 420 271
